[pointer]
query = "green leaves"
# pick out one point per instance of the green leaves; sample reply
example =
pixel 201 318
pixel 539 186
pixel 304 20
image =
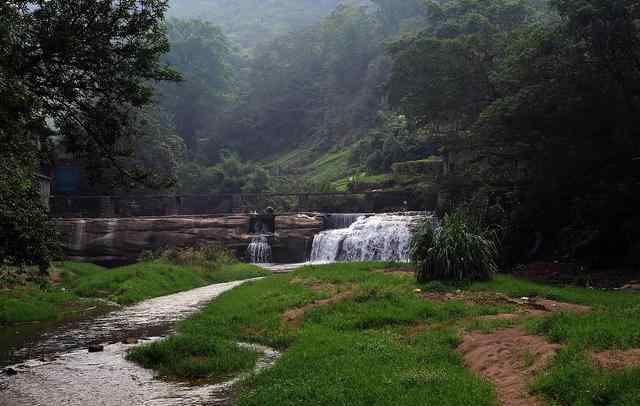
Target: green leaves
pixel 452 252
pixel 77 72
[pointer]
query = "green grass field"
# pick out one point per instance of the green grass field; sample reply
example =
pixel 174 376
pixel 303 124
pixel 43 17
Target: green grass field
pixel 126 285
pixel 386 345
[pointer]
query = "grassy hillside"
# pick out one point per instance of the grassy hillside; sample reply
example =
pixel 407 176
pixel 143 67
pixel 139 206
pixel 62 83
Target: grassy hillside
pixel 333 170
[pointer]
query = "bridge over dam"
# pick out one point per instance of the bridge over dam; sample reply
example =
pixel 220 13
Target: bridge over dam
pixel 120 206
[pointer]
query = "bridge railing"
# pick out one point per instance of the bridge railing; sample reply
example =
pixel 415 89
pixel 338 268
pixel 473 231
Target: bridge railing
pixel 169 205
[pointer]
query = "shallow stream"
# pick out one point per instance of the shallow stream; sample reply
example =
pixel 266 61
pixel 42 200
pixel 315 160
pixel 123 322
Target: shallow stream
pixel 57 369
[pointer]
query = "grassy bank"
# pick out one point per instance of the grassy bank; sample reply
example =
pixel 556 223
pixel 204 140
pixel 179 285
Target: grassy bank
pixel 383 343
pixel 365 349
pixel 74 282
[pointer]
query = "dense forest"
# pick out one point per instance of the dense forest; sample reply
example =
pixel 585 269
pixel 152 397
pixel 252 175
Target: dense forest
pixel 524 112
pixel 250 22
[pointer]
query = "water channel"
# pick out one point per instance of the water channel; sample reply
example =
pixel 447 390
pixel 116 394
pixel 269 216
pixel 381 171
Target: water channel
pixel 55 368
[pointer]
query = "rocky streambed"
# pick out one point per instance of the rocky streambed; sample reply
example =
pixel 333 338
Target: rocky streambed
pixel 58 369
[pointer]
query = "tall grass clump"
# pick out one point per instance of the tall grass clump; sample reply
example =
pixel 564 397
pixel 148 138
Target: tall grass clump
pixel 454 251
pixel 210 256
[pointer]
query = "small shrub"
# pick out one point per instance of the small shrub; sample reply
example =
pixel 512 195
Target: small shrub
pixel 149 256
pixel 452 252
pixel 205 256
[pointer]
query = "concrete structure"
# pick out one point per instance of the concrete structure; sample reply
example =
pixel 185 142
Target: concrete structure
pixel 121 240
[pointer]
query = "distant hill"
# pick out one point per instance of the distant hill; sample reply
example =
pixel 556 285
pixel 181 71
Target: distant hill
pixel 250 22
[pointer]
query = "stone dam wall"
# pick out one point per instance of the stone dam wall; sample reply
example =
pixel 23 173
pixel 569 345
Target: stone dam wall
pixel 122 240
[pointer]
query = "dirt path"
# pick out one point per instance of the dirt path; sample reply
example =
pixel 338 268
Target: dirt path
pixel 294 317
pixel 509 358
pixel 617 359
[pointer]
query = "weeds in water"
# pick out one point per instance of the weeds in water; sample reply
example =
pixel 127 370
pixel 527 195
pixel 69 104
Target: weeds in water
pixel 193 357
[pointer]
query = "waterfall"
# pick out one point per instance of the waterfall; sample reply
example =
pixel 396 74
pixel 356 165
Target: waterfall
pixel 79 235
pixel 383 237
pixel 259 250
pixel 338 220
pixel 111 232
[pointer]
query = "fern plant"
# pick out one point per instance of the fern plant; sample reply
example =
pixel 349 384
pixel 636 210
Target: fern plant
pixel 452 252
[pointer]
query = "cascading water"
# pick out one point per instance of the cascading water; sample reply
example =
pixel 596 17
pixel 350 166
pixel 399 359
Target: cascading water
pixel 111 235
pixel 339 220
pixel 259 250
pixel 79 235
pixel 383 237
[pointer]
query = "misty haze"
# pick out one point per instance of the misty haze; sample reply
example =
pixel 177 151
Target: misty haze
pixel 319 202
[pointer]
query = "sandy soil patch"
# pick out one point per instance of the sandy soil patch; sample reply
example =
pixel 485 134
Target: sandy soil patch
pixel 403 272
pixel 294 317
pixel 618 359
pixel 509 359
pixel 528 305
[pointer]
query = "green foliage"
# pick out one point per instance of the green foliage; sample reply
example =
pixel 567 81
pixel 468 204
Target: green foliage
pixel 573 380
pixel 230 176
pixel 211 256
pixel 298 91
pixel 396 15
pixel 193 357
pixel 415 368
pixel 393 140
pixel 199 51
pixel 609 325
pixel 142 281
pixel 27 301
pixel 26 235
pixel 442 76
pixel 30 303
pixel 251 23
pixel 72 75
pixel 536 106
pixel 452 251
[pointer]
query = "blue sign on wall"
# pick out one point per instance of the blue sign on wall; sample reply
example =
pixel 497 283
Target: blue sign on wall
pixel 67 180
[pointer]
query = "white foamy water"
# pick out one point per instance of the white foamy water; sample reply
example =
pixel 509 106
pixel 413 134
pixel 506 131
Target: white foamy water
pixel 342 220
pixel 259 250
pixel 383 237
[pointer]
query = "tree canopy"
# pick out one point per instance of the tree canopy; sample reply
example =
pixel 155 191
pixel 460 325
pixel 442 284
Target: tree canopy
pixel 70 73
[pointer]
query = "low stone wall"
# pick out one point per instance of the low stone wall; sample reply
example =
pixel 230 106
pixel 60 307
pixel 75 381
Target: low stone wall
pixel 123 240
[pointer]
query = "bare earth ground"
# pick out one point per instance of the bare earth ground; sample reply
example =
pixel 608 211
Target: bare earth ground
pixel 617 359
pixel 509 358
pixel 295 316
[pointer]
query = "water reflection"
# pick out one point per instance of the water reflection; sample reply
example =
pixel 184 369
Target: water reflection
pixel 64 373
